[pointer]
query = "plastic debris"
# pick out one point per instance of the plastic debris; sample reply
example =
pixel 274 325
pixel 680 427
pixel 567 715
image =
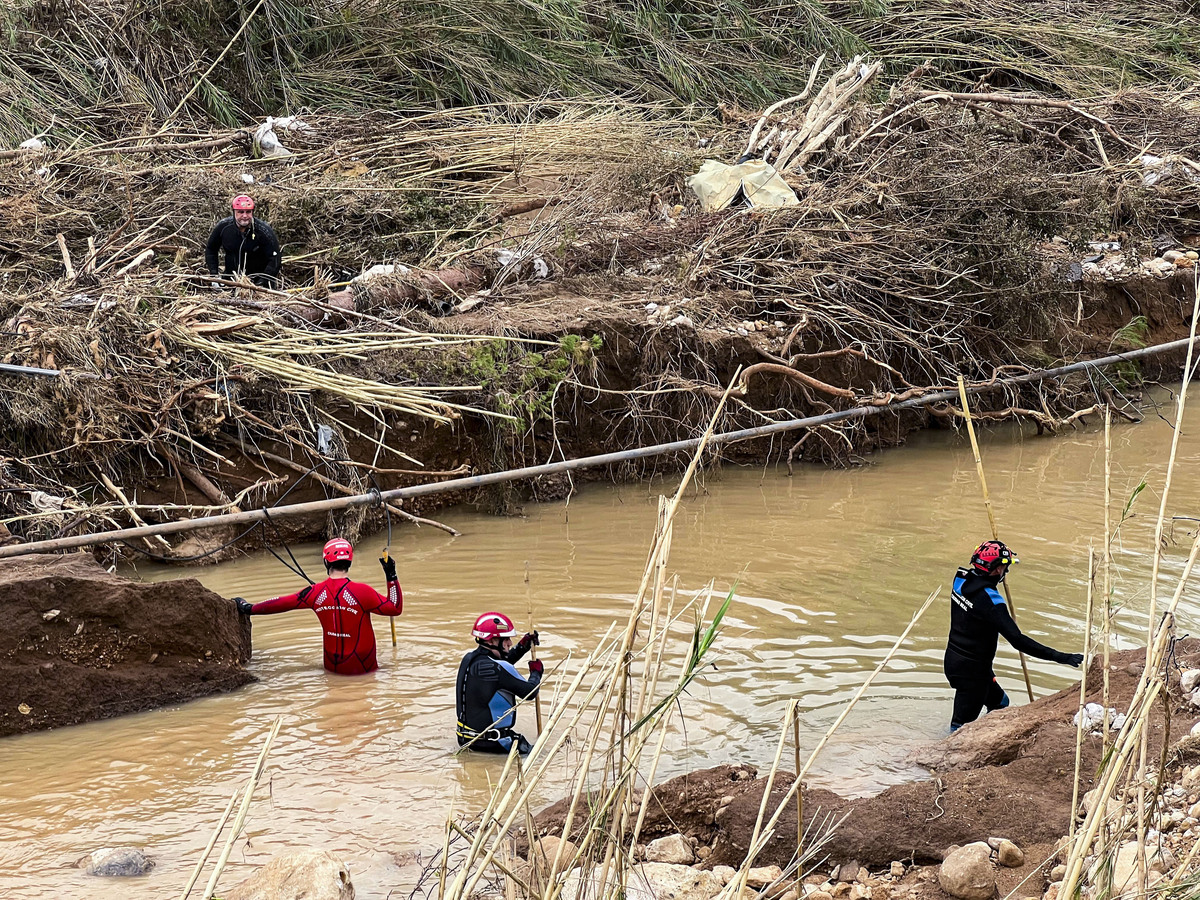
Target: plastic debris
pixel 1093 718
pixel 31 144
pixel 755 184
pixel 266 138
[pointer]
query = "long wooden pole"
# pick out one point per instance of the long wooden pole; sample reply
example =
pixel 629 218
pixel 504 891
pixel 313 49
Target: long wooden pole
pixel 604 459
pixel 987 502
pixel 537 698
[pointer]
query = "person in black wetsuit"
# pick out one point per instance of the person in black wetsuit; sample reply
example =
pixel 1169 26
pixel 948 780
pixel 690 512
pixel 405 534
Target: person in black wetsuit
pixel 978 615
pixel 488 685
pixel 250 246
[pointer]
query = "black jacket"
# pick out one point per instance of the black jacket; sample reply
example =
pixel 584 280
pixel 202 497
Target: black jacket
pixel 978 616
pixel 254 252
pixel 487 691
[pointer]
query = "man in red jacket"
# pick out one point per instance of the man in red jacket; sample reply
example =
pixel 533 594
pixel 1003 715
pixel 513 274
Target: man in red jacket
pixel 344 608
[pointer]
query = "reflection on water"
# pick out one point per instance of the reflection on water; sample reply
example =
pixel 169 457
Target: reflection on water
pixel 828 568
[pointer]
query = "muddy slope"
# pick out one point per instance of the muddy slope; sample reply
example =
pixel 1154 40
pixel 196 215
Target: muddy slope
pixel 80 644
pixel 1009 773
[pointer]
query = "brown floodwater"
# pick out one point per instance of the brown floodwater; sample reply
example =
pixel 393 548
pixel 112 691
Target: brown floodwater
pixel 828 566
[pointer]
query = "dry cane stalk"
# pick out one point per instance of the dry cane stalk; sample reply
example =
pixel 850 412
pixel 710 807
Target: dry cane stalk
pixel 1137 721
pixel 1152 613
pixel 1087 649
pixel 251 785
pixel 987 502
pixel 212 842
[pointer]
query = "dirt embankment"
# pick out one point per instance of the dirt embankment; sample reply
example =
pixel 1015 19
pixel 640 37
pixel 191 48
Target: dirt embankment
pixel 80 644
pixel 1008 774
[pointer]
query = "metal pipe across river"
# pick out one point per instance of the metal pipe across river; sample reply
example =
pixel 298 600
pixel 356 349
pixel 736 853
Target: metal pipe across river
pixel 476 481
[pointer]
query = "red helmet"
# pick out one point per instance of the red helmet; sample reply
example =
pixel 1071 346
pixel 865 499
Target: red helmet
pixel 493 625
pixel 337 550
pixel 990 555
pixel 241 201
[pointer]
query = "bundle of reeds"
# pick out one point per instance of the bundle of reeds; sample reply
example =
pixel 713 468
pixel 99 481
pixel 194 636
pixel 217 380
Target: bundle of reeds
pixel 1132 787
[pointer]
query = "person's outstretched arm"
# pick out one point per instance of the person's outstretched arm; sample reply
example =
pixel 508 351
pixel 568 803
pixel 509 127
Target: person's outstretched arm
pixel 298 600
pixel 998 615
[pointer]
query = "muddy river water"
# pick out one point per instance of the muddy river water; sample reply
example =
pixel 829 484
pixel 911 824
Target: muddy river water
pixel 829 566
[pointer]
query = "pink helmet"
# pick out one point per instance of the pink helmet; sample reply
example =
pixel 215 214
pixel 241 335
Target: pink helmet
pixel 242 202
pixel 493 625
pixel 337 550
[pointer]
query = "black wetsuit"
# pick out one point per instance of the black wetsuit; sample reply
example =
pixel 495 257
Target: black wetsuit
pixel 254 251
pixel 487 692
pixel 978 615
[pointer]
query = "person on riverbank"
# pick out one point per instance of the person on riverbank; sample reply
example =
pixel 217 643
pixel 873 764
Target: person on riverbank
pixel 250 245
pixel 489 685
pixel 344 608
pixel 978 616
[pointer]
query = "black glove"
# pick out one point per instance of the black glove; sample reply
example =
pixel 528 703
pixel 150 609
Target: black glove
pixel 244 606
pixel 389 567
pixel 530 640
pixel 536 667
pixel 1072 659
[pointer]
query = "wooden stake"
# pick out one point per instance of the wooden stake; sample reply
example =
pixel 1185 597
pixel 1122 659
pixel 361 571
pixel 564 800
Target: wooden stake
pixel 1106 631
pixel 537 698
pixel 987 502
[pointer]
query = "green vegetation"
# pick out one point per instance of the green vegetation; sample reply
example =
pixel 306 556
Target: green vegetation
pixel 521 383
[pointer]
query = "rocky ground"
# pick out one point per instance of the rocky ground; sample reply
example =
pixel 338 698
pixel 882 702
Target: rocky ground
pixel 80 644
pixel 991 817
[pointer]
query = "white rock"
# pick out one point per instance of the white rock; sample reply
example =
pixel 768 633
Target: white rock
pixel 760 876
pixel 674 848
pixel 1125 867
pixel 118 862
pixel 650 881
pixel 305 873
pixel 1171 256
pixel 51 614
pixel 967 872
pixel 742 331
pixel 682 321
pixel 1058 873
pixel 1195 732
pixel 897 870
pixel 651 307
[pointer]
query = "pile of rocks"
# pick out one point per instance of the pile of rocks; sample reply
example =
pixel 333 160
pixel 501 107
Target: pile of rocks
pixel 1110 263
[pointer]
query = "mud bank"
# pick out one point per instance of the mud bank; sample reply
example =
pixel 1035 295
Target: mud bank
pixel 1008 774
pixel 80 644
